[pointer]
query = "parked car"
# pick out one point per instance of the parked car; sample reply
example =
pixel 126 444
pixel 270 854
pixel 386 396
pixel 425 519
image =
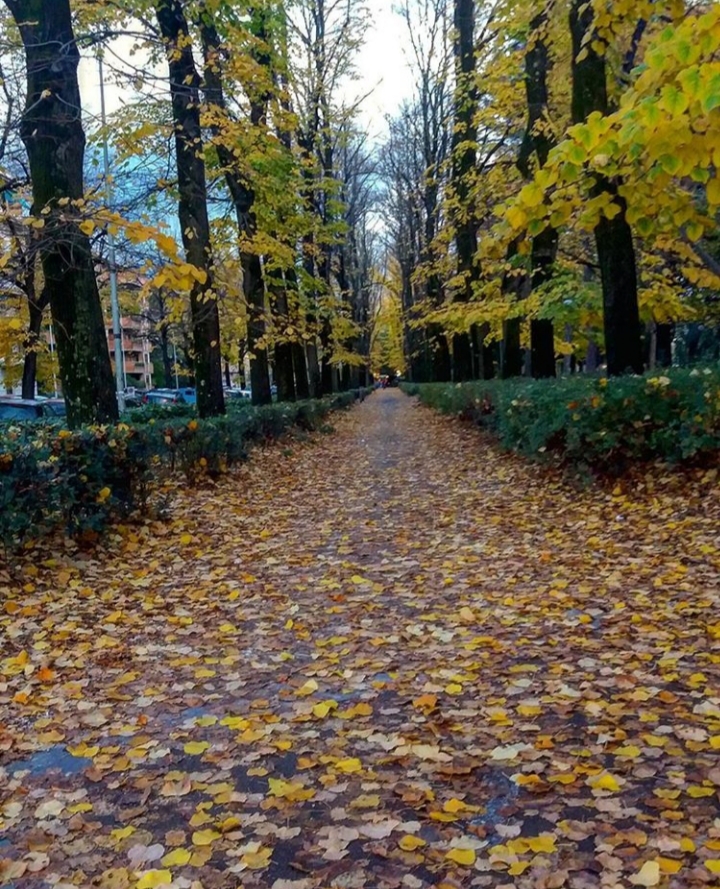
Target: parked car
pixel 237 392
pixel 188 395
pixel 19 409
pixel 162 396
pixel 55 407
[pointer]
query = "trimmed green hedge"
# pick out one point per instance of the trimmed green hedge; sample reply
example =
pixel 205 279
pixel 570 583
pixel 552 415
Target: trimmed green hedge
pixel 82 481
pixel 590 422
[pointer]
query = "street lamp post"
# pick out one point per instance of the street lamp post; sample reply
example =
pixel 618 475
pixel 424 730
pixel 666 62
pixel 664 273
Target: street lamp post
pixel 112 266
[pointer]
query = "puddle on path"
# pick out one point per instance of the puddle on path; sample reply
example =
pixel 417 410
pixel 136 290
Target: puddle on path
pixel 52 759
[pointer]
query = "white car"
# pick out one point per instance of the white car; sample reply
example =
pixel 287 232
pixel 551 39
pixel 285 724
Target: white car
pixel 237 392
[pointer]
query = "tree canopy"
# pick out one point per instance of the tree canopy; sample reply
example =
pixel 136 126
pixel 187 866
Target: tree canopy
pixel 549 191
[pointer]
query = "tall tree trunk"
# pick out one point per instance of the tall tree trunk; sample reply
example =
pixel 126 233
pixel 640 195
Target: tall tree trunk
pixel 441 358
pixel 302 386
pixel 33 343
pixel 613 237
pixel 243 198
pixel 511 356
pixel 538 141
pixel 664 333
pixel 312 359
pixel 192 209
pixel 464 160
pixel 53 135
pixel 284 375
pixel 165 353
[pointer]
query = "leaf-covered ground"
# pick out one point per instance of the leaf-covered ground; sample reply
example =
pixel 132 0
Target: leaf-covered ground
pixel 391 658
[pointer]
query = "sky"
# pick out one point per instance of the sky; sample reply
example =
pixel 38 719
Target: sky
pixel 383 73
pixel 382 65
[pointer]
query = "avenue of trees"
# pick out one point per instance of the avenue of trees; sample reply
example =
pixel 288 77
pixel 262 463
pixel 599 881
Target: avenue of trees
pixel 241 193
pixel 552 187
pixel 549 193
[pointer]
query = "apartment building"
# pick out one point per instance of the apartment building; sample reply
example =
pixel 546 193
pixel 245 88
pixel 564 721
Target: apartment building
pixel 136 349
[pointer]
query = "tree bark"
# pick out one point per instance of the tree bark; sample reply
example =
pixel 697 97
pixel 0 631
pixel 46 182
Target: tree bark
pixel 36 309
pixel 302 386
pixel 464 160
pixel 613 237
pixel 539 141
pixel 243 198
pixel 664 333
pixel 53 135
pixel 511 355
pixel 166 361
pixel 284 376
pixel 192 209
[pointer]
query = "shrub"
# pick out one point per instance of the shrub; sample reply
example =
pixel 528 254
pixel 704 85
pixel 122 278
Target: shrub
pixel 81 481
pixel 590 422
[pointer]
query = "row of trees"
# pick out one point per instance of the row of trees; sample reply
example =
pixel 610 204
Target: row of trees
pixel 237 129
pixel 553 186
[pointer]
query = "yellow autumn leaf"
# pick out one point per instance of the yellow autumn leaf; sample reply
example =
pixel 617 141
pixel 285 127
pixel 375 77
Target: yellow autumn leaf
pixel 205 837
pixel 80 807
pixel 544 843
pixel 453 688
pixel 648 875
pixel 713 865
pixel 322 709
pixel 196 747
pixel 409 843
pixel 695 791
pixel 153 878
pixel 605 781
pixel 308 688
pixel 176 857
pixel 257 860
pixel 465 857
pixel 122 833
pixel 669 865
pixel 629 750
pixel 348 766
pixel 366 801
pixel 279 787
pixel 454 805
pixel 235 723
pixel 529 710
pixel 518 867
pixel 82 749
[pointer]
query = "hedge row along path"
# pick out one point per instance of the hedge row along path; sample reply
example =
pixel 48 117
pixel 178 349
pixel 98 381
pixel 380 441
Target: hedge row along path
pixel 391 658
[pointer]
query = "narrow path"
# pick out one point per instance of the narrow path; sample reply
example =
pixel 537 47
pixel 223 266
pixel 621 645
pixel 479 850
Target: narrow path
pixel 387 657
